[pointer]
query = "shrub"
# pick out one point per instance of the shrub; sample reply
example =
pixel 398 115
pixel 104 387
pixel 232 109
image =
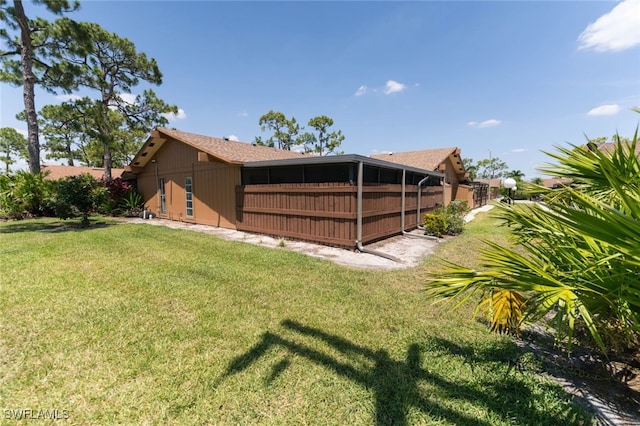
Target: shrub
pixel 117 190
pixel 25 194
pixel 132 203
pixel 434 224
pixel 121 199
pixel 79 196
pixel 453 215
pixel 578 257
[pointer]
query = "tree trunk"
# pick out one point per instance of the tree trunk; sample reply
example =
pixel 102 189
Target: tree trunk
pixel 69 154
pixel 28 80
pixel 107 161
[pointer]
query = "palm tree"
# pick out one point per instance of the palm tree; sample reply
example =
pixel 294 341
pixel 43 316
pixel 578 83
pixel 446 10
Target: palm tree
pixel 581 258
pixel 516 174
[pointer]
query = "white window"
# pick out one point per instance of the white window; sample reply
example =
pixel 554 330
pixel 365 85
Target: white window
pixel 188 190
pixel 163 197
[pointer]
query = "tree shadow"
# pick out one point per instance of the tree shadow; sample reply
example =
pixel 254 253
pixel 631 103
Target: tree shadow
pixel 27 225
pixel 396 385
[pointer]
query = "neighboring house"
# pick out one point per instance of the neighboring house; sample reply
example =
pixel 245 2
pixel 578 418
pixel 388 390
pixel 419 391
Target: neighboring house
pixel 445 160
pixel 609 147
pixel 343 200
pixel 59 171
pixel 493 187
pixel 606 147
pixel 556 182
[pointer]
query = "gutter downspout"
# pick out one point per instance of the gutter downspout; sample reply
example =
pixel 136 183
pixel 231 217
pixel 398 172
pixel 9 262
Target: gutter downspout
pixel 409 234
pixel 426 178
pixel 359 220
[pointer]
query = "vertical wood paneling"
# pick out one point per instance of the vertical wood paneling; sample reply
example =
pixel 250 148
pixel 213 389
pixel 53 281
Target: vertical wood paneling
pixel 214 201
pixel 312 213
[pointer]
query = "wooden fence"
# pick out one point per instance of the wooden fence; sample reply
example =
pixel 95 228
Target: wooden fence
pixel 327 212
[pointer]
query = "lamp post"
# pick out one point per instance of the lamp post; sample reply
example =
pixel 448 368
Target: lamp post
pixel 509 183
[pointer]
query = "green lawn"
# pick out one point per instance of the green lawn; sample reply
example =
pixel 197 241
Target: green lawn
pixel 135 324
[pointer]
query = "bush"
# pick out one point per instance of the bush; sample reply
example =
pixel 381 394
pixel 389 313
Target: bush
pixel 453 215
pixel 434 224
pixel 132 203
pixel 578 258
pixel 25 194
pixel 121 199
pixel 79 196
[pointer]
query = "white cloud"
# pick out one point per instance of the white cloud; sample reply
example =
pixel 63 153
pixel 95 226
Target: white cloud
pixel 605 110
pixel 171 116
pixel 615 31
pixel 362 90
pixel 65 98
pixel 233 138
pixel 484 124
pixel 243 114
pixel 519 150
pixel 394 87
pixel 128 98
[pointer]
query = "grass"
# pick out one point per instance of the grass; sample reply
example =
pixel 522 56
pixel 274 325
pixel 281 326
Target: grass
pixel 139 324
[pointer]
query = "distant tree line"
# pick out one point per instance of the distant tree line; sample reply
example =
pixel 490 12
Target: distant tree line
pixel 102 129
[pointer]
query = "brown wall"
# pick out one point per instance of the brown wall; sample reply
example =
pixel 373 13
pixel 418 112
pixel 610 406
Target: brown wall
pixel 213 186
pixel 327 212
pixel 319 212
pixel 465 193
pixel 451 181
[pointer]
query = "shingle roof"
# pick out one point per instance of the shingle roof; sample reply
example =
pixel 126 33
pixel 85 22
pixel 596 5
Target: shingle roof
pixel 556 182
pixel 59 171
pixel 428 159
pixel 609 147
pixel 493 183
pixel 229 151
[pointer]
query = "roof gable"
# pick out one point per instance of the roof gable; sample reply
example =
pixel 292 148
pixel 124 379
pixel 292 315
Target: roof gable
pixel 428 159
pixel 223 150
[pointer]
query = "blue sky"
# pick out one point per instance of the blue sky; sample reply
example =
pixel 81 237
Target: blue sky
pixel 506 79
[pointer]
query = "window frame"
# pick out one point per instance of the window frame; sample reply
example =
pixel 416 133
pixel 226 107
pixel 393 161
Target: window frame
pixel 188 195
pixel 163 195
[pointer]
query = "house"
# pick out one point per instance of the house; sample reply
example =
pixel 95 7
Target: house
pixel 57 171
pixel 553 183
pixel 344 200
pixel 493 187
pixel 445 160
pixel 609 147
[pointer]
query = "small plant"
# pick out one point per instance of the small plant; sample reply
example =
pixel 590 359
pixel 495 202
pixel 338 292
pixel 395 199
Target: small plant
pixel 132 203
pixel 453 215
pixel 281 242
pixel 434 224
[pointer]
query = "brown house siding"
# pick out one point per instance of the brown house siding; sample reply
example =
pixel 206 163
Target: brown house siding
pixel 213 186
pixel 280 193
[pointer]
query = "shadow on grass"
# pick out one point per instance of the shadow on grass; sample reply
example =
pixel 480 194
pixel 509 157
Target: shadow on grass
pixel 396 384
pixel 39 225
